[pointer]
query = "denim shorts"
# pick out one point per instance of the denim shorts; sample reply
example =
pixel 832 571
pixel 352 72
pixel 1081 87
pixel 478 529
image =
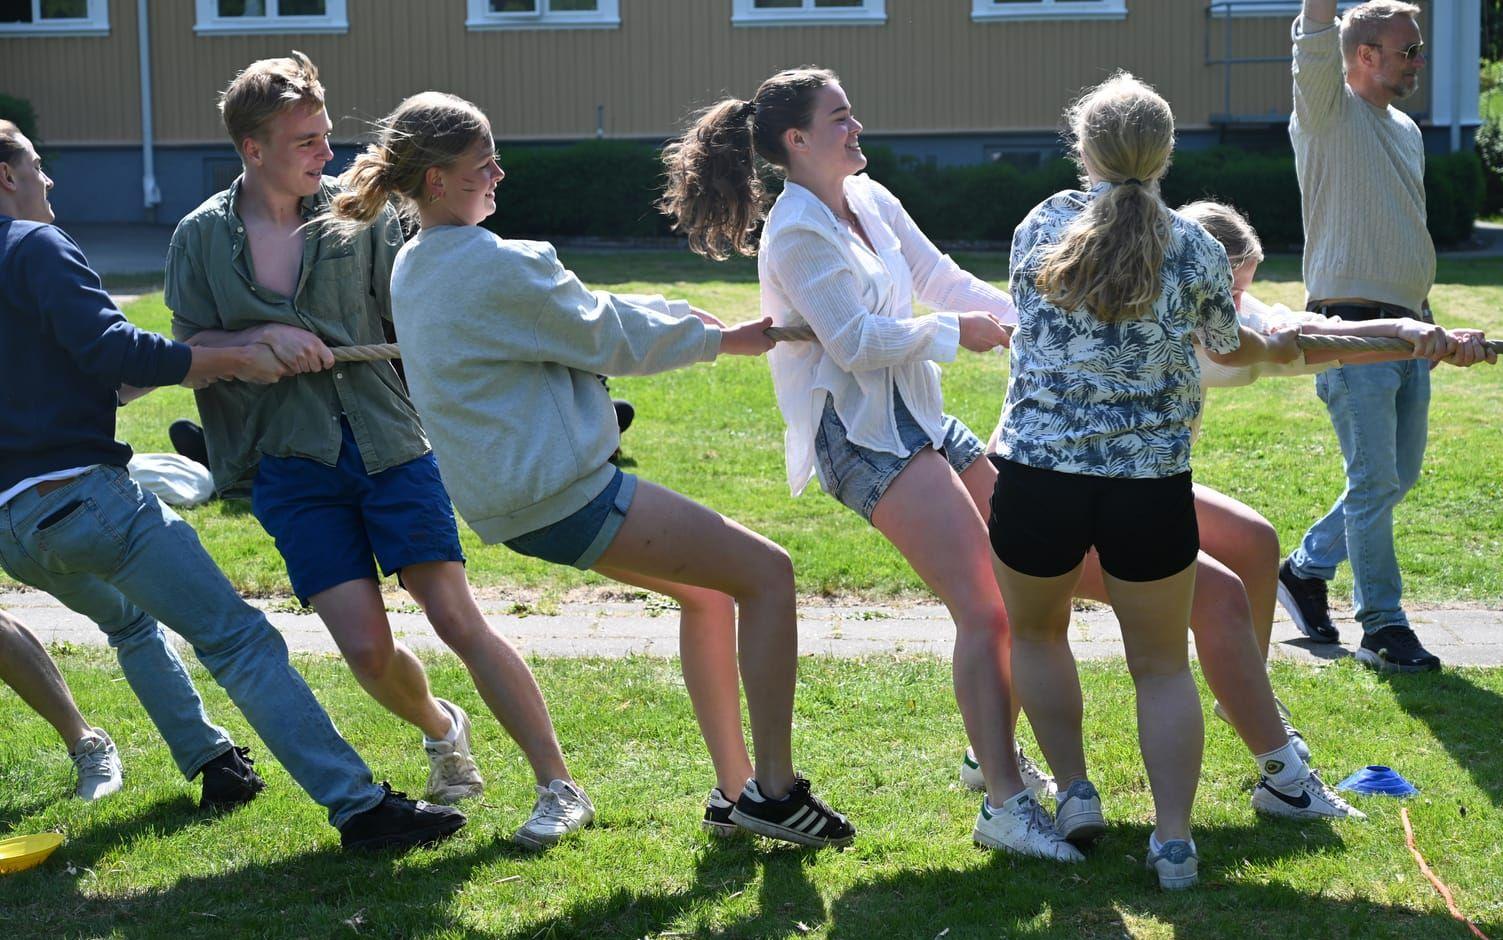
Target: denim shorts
pixel 329 522
pixel 580 538
pixel 858 476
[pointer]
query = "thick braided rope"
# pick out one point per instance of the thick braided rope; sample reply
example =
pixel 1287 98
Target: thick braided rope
pixel 805 334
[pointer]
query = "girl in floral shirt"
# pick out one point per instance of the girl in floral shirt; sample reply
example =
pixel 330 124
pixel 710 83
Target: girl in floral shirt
pixel 1111 286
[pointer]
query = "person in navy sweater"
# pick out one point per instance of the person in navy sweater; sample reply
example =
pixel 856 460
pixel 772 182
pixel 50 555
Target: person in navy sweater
pixel 73 524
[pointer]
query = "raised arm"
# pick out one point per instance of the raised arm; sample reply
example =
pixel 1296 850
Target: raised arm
pixel 1319 82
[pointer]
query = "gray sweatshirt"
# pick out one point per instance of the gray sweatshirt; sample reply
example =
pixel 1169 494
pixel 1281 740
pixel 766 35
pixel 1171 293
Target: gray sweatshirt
pixel 502 345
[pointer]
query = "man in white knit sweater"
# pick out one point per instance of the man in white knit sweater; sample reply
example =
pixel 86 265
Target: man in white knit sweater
pixel 1361 165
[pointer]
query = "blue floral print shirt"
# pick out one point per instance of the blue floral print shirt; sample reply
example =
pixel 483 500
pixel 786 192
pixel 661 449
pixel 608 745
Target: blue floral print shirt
pixel 1112 399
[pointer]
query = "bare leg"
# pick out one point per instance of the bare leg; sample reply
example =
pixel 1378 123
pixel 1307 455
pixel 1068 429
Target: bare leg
pixel 707 651
pixel 1044 667
pixel 1228 652
pixel 26 667
pixel 355 616
pixel 668 537
pixel 980 481
pixel 500 674
pixel 1155 618
pixel 930 517
pixel 1242 540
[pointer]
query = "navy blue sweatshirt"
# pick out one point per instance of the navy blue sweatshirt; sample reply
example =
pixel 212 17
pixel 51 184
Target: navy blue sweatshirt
pixel 64 352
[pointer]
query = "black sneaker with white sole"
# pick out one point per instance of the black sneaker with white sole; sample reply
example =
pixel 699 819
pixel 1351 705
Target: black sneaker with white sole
pixel 230 780
pixel 1395 648
pixel 800 816
pixel 717 821
pixel 1306 602
pixel 399 823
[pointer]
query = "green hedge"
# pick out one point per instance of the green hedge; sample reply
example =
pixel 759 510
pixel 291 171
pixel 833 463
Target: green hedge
pixel 20 112
pixel 1490 148
pixel 606 189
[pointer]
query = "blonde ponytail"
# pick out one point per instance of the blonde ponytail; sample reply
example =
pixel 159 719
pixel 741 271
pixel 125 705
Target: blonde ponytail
pixel 1109 258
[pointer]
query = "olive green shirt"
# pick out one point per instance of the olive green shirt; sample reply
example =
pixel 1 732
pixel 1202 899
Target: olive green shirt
pixel 343 295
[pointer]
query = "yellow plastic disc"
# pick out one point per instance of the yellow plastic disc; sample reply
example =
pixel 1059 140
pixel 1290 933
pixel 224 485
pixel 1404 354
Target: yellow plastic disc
pixel 23 852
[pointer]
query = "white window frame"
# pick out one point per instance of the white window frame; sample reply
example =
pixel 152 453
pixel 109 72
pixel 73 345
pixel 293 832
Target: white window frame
pixel 870 13
pixel 335 20
pixel 95 23
pixel 608 16
pixel 986 11
pixel 1250 9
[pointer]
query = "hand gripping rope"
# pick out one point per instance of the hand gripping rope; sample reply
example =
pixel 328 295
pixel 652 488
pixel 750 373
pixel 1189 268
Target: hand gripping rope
pixel 805 334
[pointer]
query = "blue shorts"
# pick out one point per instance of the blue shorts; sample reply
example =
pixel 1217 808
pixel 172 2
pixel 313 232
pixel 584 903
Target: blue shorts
pixel 858 476
pixel 334 524
pixel 579 539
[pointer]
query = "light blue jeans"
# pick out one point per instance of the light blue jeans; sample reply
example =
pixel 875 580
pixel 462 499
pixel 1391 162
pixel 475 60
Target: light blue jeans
pixel 1381 415
pixel 113 553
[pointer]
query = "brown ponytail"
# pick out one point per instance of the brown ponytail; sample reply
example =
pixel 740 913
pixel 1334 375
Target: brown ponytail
pixel 714 193
pixel 1109 258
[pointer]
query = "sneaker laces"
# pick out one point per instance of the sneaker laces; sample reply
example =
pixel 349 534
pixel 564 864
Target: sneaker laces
pixel 1028 767
pixel 94 758
pixel 1035 817
pixel 550 805
pixel 1326 793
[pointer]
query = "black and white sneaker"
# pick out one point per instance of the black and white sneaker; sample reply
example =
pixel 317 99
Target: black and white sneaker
pixel 399 823
pixel 1306 602
pixel 230 780
pixel 717 821
pixel 798 817
pixel 1395 648
pixel 1308 798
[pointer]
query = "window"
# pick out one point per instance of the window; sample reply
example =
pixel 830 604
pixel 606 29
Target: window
pixel 809 12
pixel 55 17
pixel 544 14
pixel 272 16
pixel 983 10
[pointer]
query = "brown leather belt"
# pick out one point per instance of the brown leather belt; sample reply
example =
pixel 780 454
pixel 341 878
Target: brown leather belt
pixel 47 486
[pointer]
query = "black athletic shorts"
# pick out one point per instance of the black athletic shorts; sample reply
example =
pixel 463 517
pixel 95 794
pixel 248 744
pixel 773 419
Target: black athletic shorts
pixel 1043 522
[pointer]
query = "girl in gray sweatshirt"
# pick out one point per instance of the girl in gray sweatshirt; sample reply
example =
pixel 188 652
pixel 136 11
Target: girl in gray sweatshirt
pixel 501 346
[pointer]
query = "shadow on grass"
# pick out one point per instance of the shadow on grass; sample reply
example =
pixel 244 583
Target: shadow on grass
pixel 1462 716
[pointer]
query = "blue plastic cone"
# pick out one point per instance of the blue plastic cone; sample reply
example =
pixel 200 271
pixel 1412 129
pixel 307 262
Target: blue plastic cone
pixel 1378 780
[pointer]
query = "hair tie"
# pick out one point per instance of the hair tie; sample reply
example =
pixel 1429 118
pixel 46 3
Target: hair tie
pixel 1131 181
pixel 747 111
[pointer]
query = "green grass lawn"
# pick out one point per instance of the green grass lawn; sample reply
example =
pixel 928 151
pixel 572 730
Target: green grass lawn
pixel 714 433
pixel 881 740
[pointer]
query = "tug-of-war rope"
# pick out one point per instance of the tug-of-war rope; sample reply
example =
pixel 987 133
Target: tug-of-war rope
pixel 805 334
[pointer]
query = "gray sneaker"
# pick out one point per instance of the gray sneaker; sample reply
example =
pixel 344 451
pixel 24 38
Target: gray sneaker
pixel 452 774
pixel 561 808
pixel 98 765
pixel 1078 815
pixel 1176 863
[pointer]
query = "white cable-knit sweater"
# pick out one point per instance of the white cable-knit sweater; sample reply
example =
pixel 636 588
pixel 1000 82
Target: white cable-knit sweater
pixel 1362 184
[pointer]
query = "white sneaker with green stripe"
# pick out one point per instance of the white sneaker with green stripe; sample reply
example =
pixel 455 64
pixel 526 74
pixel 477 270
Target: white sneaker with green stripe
pixel 1021 826
pixel 1034 777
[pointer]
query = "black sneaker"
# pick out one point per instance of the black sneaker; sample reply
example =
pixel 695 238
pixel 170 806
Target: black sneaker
pixel 230 780
pixel 717 821
pixel 398 823
pixel 1305 600
pixel 798 817
pixel 1395 648
pixel 188 440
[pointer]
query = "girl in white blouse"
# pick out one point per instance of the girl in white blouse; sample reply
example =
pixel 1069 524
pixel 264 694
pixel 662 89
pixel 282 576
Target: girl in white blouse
pixel 862 404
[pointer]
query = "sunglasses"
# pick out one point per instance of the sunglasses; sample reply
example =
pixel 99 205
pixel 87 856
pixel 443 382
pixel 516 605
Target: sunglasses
pixel 1410 52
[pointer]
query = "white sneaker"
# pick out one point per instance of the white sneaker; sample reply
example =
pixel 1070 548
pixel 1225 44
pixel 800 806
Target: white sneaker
pixel 1291 732
pixel 98 765
pixel 1078 815
pixel 1310 798
pixel 1023 827
pixel 1176 863
pixel 1034 777
pixel 561 808
pixel 452 774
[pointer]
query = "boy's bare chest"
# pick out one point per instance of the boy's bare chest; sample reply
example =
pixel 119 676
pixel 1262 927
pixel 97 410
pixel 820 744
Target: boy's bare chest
pixel 276 255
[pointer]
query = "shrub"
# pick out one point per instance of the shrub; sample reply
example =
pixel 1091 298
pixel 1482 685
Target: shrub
pixel 607 189
pixel 1490 149
pixel 22 114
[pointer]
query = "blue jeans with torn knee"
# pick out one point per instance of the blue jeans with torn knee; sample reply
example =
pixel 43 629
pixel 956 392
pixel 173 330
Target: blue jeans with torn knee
pixel 1381 415
pixel 115 554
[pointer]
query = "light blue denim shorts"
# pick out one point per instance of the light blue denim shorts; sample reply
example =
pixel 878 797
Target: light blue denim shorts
pixel 579 539
pixel 858 476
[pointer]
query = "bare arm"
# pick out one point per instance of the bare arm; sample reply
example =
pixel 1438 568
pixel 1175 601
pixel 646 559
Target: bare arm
pixel 297 349
pixel 1254 347
pixel 1430 341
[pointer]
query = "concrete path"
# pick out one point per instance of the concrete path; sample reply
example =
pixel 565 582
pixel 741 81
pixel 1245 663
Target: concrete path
pixel 1459 636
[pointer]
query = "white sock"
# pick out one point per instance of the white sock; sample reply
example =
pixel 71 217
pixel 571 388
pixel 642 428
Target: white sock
pixel 449 738
pixel 1009 804
pixel 1283 767
pixel 1155 846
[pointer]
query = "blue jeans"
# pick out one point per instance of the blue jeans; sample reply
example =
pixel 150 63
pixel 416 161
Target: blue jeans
pixel 113 553
pixel 1381 415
